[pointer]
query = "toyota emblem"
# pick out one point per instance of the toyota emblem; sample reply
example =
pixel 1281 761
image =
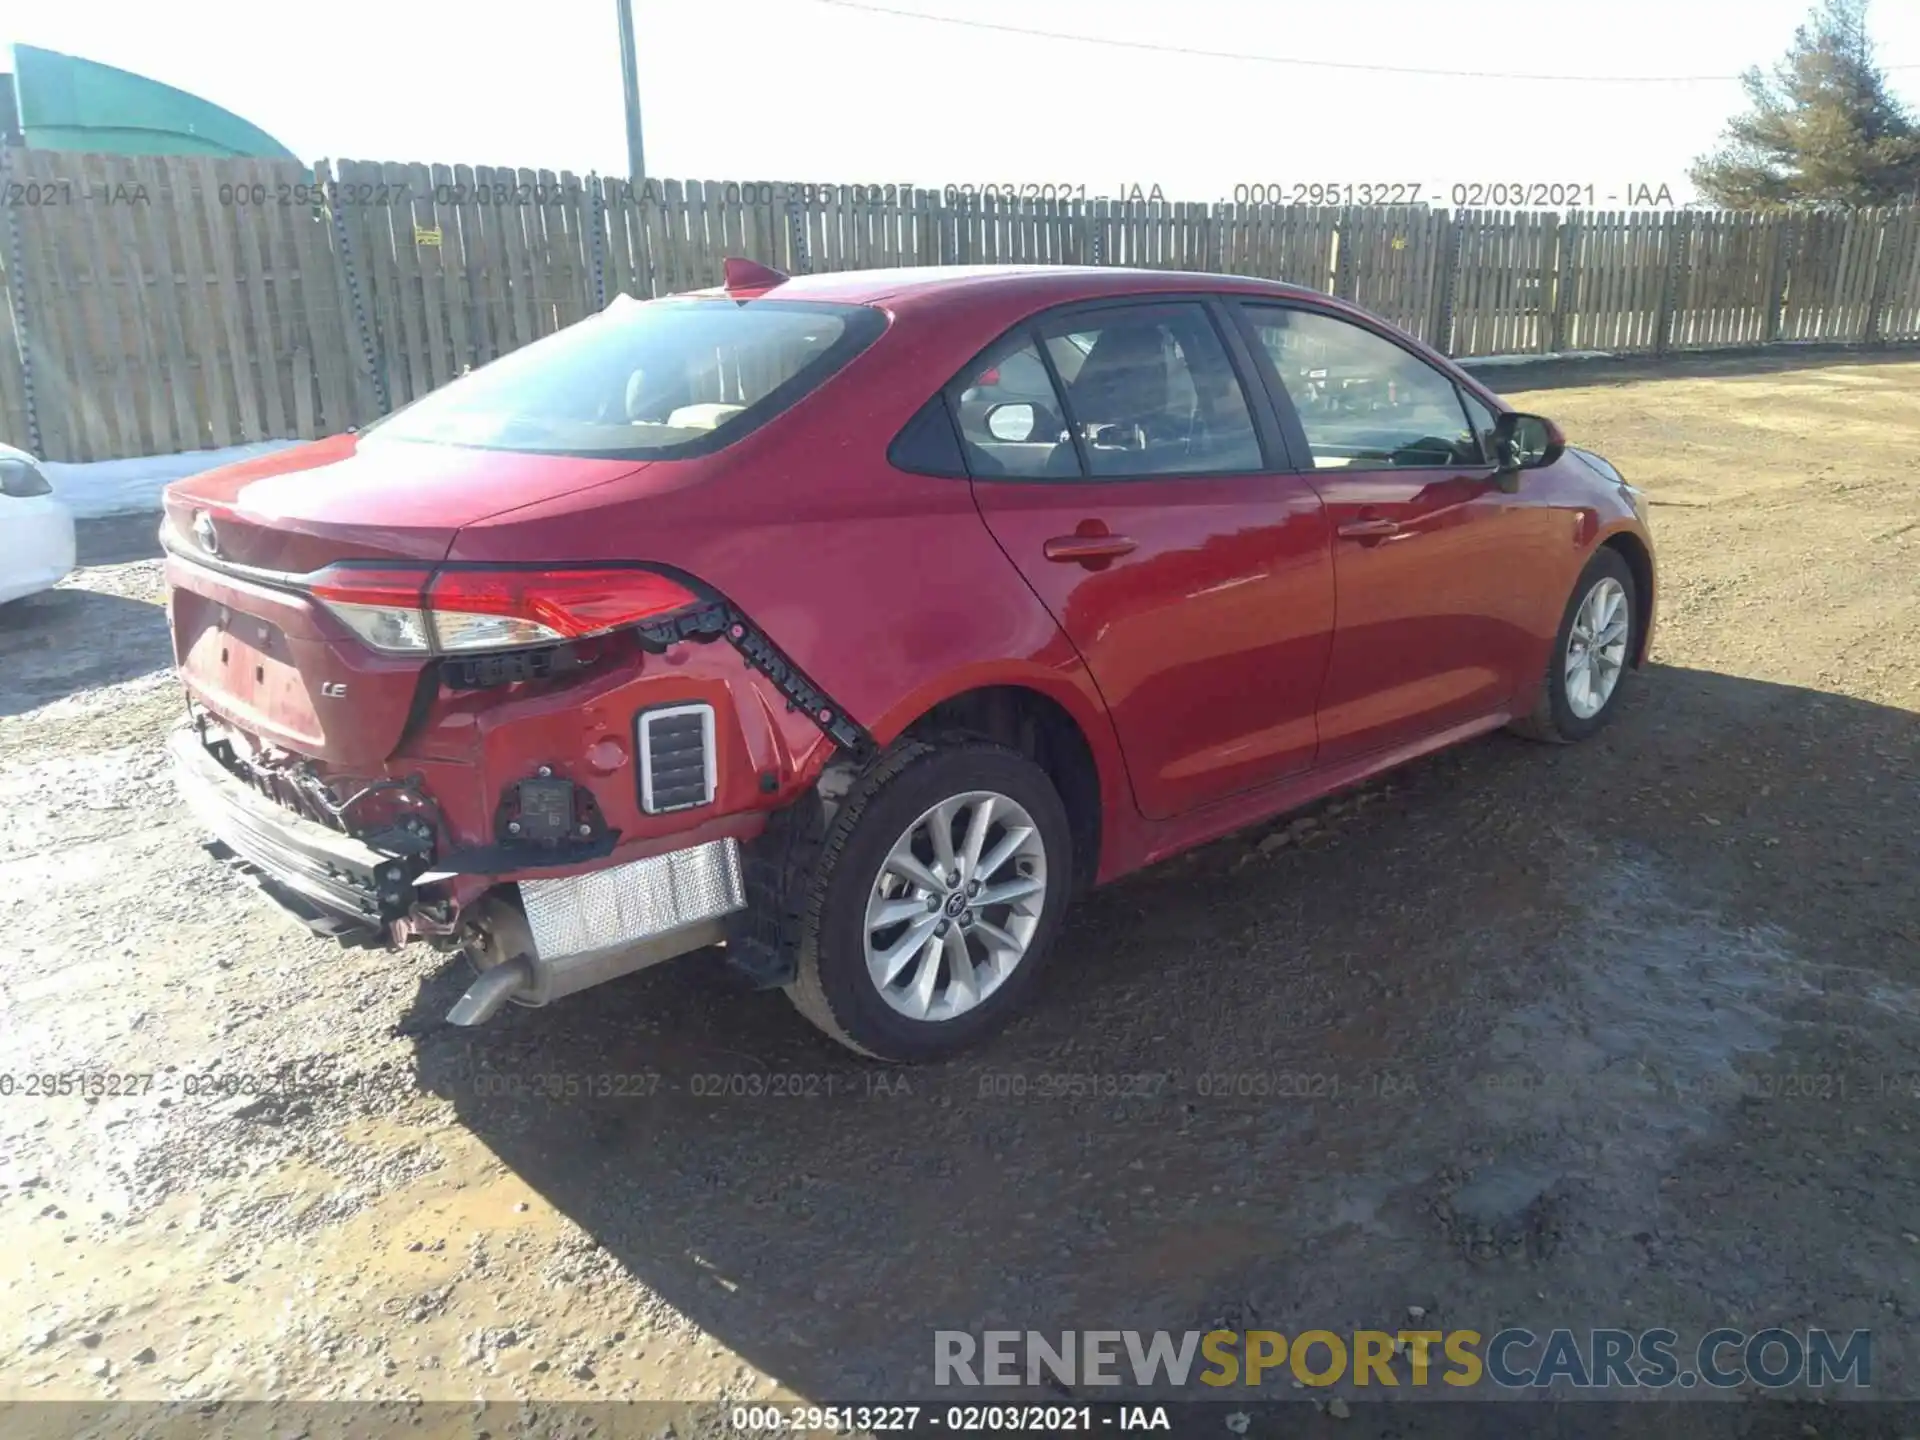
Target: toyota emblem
pixel 205 534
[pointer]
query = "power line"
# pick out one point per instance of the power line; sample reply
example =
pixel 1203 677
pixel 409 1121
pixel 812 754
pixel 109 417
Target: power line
pixel 1156 48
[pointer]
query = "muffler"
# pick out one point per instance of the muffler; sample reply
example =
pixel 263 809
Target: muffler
pixel 574 933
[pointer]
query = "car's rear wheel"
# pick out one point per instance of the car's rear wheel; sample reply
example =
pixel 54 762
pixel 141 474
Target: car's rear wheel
pixel 1591 654
pixel 940 884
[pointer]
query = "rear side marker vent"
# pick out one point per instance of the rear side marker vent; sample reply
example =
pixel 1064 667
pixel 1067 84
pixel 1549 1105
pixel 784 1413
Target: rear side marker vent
pixel 676 758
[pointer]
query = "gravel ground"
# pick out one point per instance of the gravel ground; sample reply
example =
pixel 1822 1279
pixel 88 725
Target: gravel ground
pixel 1617 1034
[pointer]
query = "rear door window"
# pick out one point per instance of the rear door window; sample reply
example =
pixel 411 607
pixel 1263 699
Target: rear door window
pixel 1152 392
pixel 1010 416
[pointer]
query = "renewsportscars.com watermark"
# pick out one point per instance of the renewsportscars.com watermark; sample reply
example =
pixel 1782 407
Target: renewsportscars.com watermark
pixel 1513 1359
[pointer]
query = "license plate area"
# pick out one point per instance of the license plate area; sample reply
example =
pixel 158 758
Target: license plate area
pixel 244 666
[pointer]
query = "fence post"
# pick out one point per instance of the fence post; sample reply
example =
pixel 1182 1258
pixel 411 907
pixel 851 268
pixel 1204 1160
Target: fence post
pixel 1680 228
pixel 598 245
pixel 1884 254
pixel 1343 254
pixel 17 283
pixel 374 361
pixel 1782 224
pixel 1903 247
pixel 1452 238
pixel 933 217
pixel 767 220
pixel 1567 241
pixel 797 232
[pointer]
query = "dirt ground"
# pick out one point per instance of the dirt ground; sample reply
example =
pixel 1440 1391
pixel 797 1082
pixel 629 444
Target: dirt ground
pixel 1623 1034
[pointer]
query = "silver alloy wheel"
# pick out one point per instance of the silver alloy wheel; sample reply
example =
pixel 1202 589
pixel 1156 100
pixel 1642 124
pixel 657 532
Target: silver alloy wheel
pixel 1597 648
pixel 955 905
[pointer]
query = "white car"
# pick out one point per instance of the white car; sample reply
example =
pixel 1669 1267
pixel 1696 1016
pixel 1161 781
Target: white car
pixel 36 530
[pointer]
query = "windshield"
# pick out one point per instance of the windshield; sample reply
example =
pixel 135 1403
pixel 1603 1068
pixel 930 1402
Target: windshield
pixel 656 380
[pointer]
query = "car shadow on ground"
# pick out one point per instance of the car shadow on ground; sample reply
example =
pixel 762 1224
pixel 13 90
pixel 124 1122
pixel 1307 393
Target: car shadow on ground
pixel 117 539
pixel 1216 1045
pixel 70 640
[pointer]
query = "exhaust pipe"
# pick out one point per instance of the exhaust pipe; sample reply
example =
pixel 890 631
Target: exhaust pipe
pixel 492 990
pixel 571 934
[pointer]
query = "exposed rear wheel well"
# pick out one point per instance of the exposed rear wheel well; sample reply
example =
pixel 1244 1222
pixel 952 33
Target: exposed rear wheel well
pixel 1641 564
pixel 1042 730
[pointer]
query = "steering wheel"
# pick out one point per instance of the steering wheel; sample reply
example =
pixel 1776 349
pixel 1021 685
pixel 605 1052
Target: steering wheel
pixel 1426 452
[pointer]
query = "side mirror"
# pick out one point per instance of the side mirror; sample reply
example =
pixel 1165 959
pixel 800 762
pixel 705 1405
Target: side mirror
pixel 1013 421
pixel 1525 442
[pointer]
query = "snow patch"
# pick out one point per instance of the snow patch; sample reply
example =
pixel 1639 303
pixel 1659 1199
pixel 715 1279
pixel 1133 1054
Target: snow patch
pixel 127 487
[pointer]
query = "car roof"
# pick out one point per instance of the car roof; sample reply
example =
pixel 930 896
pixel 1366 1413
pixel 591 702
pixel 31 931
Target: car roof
pixel 1038 284
pixel 988 298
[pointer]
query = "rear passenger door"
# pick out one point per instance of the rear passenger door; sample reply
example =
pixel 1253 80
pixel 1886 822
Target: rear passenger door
pixel 1145 497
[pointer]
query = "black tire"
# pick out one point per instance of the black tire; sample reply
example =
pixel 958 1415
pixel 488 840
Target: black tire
pixel 1553 719
pixel 832 987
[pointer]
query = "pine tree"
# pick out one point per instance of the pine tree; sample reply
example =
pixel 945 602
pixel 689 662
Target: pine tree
pixel 1823 128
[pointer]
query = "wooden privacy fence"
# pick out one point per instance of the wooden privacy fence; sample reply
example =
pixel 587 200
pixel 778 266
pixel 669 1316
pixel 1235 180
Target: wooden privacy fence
pixel 158 305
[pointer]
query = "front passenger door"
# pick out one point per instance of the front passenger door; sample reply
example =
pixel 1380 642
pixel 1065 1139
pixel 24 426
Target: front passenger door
pixel 1428 551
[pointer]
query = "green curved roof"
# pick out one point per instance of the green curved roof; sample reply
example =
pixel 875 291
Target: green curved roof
pixel 67 103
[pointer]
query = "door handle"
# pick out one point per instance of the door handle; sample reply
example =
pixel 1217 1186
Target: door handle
pixel 1088 549
pixel 1377 529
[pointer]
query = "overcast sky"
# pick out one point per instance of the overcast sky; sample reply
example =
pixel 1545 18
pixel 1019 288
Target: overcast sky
pixel 812 90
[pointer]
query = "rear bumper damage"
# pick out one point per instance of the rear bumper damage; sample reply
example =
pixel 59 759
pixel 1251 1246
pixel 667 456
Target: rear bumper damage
pixel 341 886
pixel 562 813
pixel 533 940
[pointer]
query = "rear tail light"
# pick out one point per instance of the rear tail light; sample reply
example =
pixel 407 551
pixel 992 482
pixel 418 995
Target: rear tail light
pixel 406 612
pixel 497 609
pixel 385 608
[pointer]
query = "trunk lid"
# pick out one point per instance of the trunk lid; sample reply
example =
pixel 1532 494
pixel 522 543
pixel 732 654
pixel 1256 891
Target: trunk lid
pixel 262 655
pixel 351 498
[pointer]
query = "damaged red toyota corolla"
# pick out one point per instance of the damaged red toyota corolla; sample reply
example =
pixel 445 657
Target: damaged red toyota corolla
pixel 857 621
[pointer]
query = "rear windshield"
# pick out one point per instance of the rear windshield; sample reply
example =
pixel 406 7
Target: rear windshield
pixel 657 380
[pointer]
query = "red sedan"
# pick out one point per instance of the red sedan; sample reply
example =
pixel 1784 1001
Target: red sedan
pixel 857 621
